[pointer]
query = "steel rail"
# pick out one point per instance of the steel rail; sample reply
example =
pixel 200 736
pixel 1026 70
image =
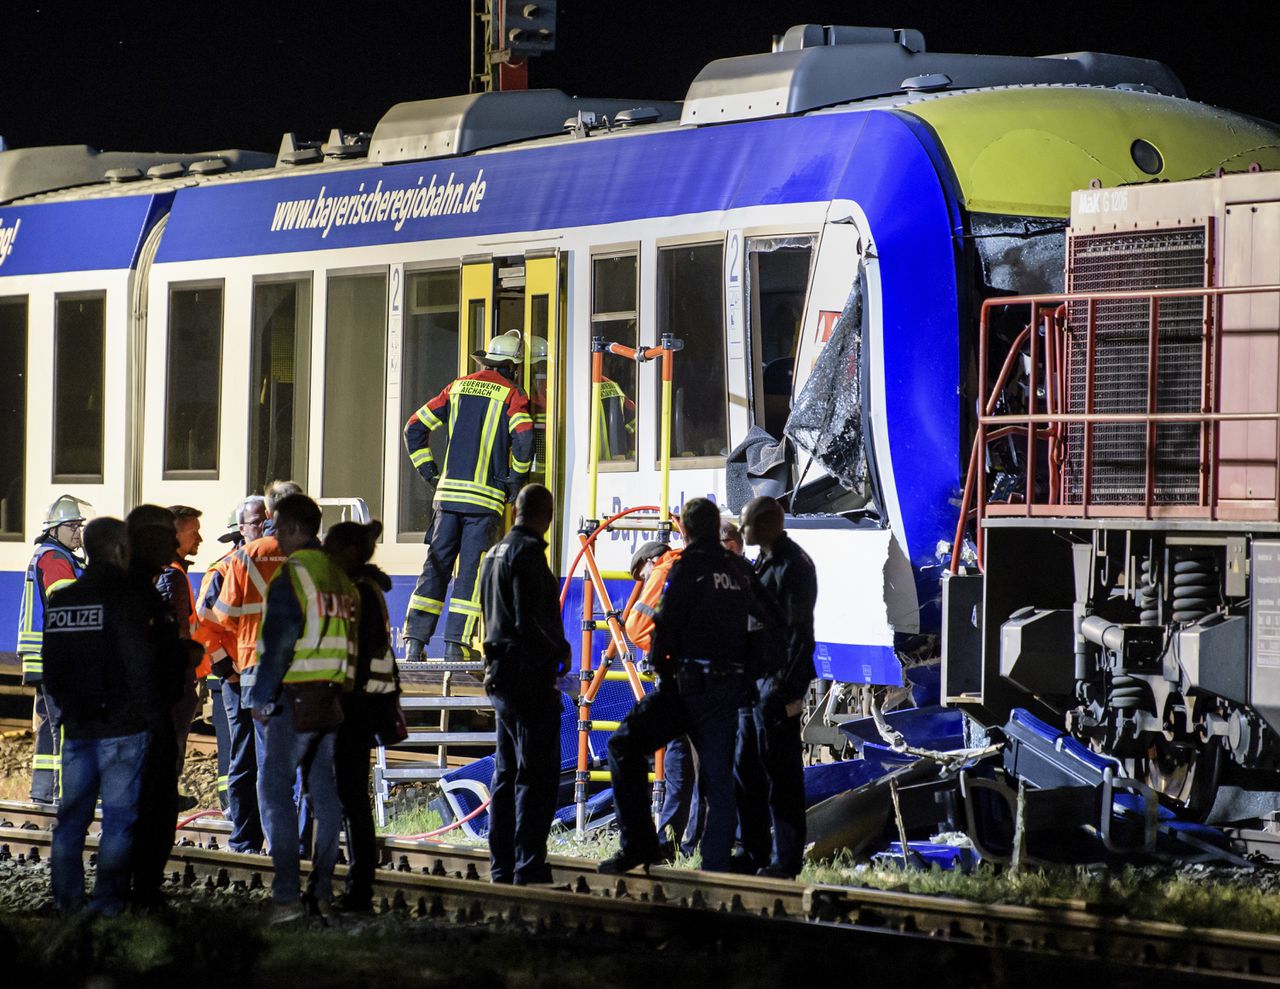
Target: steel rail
pixel 442 880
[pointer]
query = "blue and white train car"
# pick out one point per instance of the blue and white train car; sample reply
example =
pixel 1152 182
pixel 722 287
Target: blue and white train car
pixel 187 334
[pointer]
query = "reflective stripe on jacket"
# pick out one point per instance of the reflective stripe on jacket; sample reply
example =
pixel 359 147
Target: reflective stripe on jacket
pixel 617 422
pixel 45 574
pixel 326 649
pixel 218 642
pixel 640 621
pixel 382 676
pixel 490 440
pixel 239 606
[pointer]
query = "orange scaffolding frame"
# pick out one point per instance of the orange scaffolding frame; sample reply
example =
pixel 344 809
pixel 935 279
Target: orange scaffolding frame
pixel 653 518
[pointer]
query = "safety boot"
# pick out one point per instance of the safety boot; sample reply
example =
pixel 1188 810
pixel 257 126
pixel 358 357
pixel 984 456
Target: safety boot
pixel 414 650
pixel 456 652
pixel 627 859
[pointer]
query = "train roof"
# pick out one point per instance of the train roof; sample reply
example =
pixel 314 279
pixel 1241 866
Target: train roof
pixel 1078 118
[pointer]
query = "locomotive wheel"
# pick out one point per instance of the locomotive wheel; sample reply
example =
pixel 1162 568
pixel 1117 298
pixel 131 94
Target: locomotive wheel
pixel 1184 775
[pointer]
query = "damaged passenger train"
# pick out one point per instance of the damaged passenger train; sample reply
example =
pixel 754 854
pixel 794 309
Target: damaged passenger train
pixel 818 225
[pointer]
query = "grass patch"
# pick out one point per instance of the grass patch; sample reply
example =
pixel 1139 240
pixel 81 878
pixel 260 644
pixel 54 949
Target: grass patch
pixel 416 820
pixel 1196 897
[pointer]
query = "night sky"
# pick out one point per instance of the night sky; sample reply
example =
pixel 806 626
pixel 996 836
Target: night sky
pixel 191 77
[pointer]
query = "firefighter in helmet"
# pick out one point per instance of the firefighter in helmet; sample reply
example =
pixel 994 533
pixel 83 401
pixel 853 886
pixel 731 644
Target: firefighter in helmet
pixel 490 451
pixel 55 563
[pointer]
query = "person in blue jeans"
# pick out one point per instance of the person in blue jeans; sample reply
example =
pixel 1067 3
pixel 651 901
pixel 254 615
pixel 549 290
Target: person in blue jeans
pixel 307 649
pixel 101 667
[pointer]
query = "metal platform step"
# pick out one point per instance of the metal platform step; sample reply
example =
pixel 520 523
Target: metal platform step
pixel 418 708
pixel 442 666
pixel 433 738
pixel 445 703
pixel 414 775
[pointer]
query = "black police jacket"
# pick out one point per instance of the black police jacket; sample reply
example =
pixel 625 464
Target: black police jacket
pixel 524 643
pixel 704 613
pixel 788 573
pixel 100 660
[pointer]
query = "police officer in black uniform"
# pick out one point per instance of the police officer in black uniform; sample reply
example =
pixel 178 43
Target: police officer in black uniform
pixel 769 768
pixel 524 652
pixel 99 667
pixel 699 649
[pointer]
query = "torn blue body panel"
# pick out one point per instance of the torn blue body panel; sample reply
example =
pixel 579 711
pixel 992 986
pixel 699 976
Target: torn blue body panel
pixel 937 728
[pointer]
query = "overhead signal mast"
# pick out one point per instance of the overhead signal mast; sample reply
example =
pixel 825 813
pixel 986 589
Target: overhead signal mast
pixel 505 34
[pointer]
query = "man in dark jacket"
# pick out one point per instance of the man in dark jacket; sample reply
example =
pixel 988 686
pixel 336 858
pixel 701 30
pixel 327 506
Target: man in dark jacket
pixel 769 767
pixel 699 648
pixel 153 540
pixel 367 708
pixel 524 651
pixel 98 665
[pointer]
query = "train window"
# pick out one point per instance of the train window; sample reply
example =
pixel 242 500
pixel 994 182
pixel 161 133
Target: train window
pixel 79 380
pixel 355 389
pixel 777 274
pixel 193 381
pixel 614 316
pixel 691 307
pixel 279 372
pixel 13 415
pixel 430 362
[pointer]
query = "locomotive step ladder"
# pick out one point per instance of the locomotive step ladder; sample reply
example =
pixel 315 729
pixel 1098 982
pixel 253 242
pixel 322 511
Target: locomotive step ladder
pixel 389 772
pixel 618 661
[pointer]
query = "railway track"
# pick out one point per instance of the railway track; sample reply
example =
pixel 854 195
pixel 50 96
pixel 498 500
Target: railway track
pixel 439 880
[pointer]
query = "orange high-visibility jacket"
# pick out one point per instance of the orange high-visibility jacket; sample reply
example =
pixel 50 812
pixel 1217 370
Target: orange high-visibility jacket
pixel 639 625
pixel 244 592
pixel 218 642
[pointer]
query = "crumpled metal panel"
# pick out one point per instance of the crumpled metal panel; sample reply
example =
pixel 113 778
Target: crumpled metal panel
pixel 826 419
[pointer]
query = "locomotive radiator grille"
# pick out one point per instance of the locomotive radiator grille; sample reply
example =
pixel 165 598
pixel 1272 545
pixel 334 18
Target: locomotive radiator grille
pixel 1131 261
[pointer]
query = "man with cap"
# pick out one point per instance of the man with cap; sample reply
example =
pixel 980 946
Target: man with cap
pixel 220 651
pixel 54 565
pixel 652 565
pixel 487 459
pixel 699 646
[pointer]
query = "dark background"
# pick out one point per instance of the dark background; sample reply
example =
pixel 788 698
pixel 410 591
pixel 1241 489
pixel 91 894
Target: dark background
pixel 145 76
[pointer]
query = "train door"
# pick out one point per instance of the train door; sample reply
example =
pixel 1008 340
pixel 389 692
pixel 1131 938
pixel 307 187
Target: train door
pixel 452 312
pixel 541 370
pixel 477 309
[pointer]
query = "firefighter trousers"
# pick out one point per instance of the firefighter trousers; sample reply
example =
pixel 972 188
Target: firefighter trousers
pixel 460 537
pixel 45 766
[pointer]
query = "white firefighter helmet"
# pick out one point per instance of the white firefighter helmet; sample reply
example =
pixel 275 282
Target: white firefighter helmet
pixel 67 508
pixel 539 347
pixel 505 348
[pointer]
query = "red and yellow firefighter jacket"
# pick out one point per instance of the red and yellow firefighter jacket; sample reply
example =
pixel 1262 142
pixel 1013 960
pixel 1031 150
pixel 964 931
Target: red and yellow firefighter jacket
pixel 490 441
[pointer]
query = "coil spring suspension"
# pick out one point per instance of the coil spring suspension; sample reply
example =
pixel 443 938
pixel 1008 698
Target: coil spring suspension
pixel 1195 588
pixel 1128 693
pixel 1147 596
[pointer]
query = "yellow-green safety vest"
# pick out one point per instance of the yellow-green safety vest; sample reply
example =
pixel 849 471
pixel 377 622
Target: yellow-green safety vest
pixel 326 649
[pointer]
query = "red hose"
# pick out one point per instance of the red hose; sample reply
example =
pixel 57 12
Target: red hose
pixel 449 827
pixel 564 591
pixel 195 817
